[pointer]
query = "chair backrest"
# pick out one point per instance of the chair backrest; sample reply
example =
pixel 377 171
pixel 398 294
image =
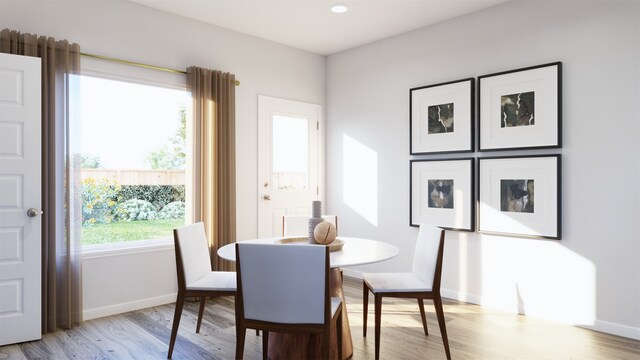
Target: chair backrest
pixel 287 284
pixel 192 253
pixel 299 225
pixel 427 257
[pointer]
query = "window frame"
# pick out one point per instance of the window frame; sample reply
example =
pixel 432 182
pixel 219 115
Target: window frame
pixel 137 75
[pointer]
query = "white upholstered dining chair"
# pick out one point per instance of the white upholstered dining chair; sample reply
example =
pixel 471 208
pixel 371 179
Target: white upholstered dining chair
pixel 285 288
pixel 294 225
pixel 423 282
pixel 195 276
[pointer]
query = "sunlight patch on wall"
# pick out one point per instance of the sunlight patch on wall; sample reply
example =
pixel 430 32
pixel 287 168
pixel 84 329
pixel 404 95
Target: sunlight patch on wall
pixel 360 179
pixel 539 278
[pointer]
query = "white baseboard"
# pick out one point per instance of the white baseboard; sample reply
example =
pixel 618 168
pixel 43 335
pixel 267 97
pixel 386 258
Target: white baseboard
pixel 457 295
pixel 615 329
pixel 88 314
pixel 599 325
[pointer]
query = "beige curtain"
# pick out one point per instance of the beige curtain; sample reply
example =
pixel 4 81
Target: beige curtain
pixel 214 158
pixel 61 283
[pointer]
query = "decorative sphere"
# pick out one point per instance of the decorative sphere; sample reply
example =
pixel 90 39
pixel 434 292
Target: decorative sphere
pixel 324 233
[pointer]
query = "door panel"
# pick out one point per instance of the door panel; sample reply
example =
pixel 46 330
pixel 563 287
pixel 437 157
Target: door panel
pixel 20 234
pixel 288 158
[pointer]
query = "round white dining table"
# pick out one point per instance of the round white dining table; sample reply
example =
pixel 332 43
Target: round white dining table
pixel 355 251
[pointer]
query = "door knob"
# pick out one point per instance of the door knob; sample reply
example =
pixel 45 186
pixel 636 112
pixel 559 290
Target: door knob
pixel 32 212
pixel 266 197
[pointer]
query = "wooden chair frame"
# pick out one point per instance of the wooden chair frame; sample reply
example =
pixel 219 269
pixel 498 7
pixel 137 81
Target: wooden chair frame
pixel 243 324
pixel 434 295
pixel 183 293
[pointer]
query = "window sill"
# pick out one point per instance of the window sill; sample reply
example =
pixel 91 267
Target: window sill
pixel 126 248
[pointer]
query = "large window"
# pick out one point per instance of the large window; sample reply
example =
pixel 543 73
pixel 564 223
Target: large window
pixel 133 148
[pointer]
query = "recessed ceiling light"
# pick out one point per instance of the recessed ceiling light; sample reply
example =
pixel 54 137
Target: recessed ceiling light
pixel 339 8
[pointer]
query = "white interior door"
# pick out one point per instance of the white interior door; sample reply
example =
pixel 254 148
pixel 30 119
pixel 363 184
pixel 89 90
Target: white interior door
pixel 20 201
pixel 288 164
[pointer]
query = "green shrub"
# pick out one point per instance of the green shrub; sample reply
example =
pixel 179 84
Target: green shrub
pixel 99 200
pixel 104 201
pixel 158 195
pixel 173 210
pixel 178 192
pixel 135 209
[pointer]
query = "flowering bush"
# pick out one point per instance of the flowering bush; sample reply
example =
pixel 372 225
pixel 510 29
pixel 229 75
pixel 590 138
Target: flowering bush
pixel 134 209
pixel 99 200
pixel 104 201
pixel 173 210
pixel 158 195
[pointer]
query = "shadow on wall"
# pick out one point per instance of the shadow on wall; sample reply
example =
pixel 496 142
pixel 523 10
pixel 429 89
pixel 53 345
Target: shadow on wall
pixel 360 179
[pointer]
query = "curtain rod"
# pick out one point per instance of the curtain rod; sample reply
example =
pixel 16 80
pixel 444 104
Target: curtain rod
pixel 127 62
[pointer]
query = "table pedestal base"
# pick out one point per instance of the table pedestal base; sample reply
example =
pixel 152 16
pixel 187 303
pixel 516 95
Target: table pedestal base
pixel 283 346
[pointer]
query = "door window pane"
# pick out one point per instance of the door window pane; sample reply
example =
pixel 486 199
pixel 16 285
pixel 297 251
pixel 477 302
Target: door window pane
pixel 290 154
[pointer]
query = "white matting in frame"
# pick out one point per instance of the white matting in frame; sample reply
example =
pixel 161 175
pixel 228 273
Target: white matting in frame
pixel 521 108
pixel 520 196
pixel 442 193
pixel 441 117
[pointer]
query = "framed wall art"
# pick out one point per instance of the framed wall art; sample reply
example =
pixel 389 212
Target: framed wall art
pixel 521 109
pixel 520 195
pixel 441 117
pixel 442 193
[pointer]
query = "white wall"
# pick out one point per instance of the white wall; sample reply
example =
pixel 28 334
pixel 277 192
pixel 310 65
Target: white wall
pixel 123 280
pixel 132 32
pixel 592 276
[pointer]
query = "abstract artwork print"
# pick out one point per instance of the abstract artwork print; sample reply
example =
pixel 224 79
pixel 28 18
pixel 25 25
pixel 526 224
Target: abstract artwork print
pixel 516 196
pixel 517 109
pixel 440 119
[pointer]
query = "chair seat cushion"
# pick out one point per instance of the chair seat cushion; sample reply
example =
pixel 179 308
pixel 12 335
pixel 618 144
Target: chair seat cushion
pixel 215 280
pixel 395 282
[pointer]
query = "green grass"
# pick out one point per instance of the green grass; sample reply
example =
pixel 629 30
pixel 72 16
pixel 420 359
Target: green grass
pixel 122 231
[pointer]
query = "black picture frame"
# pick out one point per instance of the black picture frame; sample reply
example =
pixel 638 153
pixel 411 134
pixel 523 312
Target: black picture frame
pixel 455 134
pixel 507 189
pixel 453 207
pixel 521 109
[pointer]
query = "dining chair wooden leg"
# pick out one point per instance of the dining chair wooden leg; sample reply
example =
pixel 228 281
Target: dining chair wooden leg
pixel 365 307
pixel 423 315
pixel 257 332
pixel 378 320
pixel 339 335
pixel 176 323
pixel 265 344
pixel 326 346
pixel 437 302
pixel 203 301
pixel 240 333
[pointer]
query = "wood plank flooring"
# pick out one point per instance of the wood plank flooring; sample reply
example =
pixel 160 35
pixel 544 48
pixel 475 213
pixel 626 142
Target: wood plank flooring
pixel 474 333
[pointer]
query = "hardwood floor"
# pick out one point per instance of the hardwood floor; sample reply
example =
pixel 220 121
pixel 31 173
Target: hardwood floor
pixel 474 333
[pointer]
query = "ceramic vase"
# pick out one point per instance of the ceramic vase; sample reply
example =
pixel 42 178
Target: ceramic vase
pixel 316 218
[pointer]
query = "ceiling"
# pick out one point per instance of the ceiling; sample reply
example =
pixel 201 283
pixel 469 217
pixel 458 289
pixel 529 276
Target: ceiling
pixel 311 26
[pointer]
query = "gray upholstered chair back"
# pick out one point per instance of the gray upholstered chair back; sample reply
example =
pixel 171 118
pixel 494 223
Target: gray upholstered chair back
pixel 283 283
